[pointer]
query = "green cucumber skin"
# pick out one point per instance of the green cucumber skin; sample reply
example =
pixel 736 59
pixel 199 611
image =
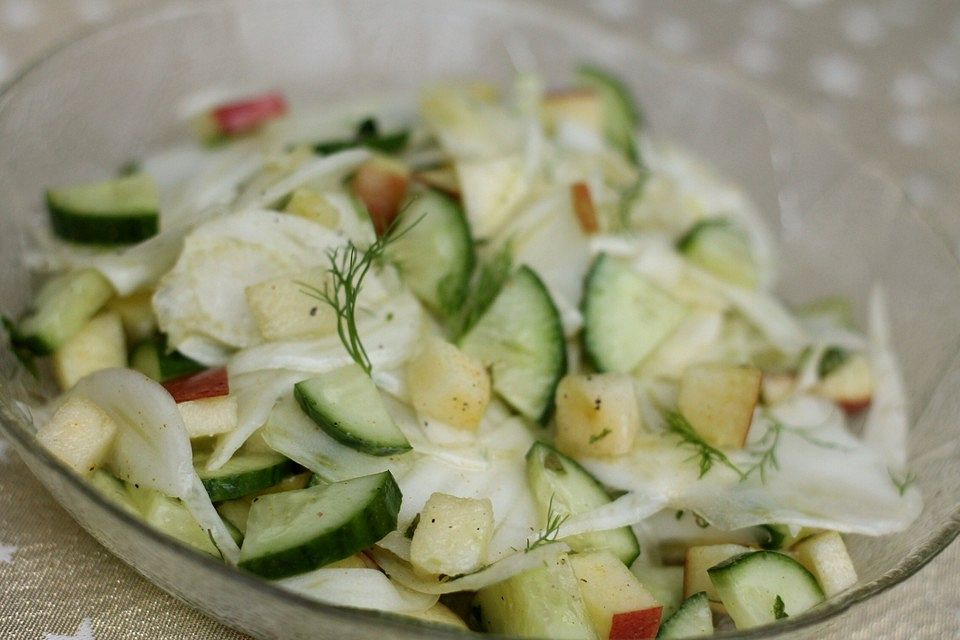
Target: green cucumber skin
pixel 428 222
pixel 152 360
pixel 546 402
pixel 120 228
pixel 377 519
pixel 628 117
pixel 61 308
pixel 631 549
pixel 331 426
pixel 733 577
pixel 681 622
pixel 243 484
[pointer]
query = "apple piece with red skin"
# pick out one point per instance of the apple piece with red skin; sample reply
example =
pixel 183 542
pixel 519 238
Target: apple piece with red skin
pixel 243 116
pixel 209 383
pixel 584 208
pixel 850 385
pixel 636 625
pixel 381 185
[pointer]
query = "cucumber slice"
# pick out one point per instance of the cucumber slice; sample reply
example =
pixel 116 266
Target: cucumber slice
pixel 625 316
pixel 752 585
pixel 621 115
pixel 243 474
pixel 347 406
pixel 298 531
pixel 62 307
pixel 118 211
pixel 717 245
pixel 692 619
pixel 563 486
pixel 544 602
pixel 152 359
pixel 434 251
pixel 520 338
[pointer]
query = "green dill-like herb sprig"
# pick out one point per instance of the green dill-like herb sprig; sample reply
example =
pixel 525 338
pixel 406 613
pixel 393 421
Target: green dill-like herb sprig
pixel 706 454
pixel 765 449
pixel 550 532
pixel 348 268
pixel 902 484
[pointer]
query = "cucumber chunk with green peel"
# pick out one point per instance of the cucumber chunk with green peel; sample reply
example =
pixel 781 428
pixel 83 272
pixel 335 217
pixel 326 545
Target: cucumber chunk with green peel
pixel 722 248
pixel 152 359
pixel 61 308
pixel 562 486
pixel 346 404
pixel 120 211
pixel 761 587
pixel 621 115
pixel 521 339
pixel 242 475
pixel 298 531
pixel 544 602
pixel 434 251
pixel 692 619
pixel 626 317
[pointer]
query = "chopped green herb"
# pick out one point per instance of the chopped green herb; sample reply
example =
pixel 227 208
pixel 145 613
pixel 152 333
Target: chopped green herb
pixel 600 436
pixel 701 521
pixel 778 610
pixel 679 514
pixel 367 135
pixel 550 532
pixel 706 454
pixel 412 529
pixel 348 268
pixel 903 484
pixel 765 449
pixel 831 360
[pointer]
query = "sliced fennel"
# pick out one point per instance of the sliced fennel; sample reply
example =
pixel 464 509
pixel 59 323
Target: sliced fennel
pixel 151 447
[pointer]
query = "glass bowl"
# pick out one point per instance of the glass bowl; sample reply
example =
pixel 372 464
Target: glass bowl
pixel 120 92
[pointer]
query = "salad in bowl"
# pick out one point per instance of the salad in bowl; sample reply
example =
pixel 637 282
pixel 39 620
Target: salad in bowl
pixel 505 361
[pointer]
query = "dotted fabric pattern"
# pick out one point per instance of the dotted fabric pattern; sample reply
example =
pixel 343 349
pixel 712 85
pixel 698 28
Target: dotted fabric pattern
pixel 885 74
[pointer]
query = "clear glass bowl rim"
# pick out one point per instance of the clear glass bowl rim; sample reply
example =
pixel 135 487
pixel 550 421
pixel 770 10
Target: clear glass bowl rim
pixel 174 9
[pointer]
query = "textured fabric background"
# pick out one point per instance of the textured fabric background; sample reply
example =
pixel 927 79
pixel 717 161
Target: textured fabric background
pixel 884 73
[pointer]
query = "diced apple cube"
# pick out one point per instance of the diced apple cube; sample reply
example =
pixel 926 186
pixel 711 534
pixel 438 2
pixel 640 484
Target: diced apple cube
pixel 283 310
pixel 381 185
pixel 581 107
pixel 136 313
pixel 240 116
pixel 825 556
pixel 311 205
pixel 597 414
pixel 209 383
pixel 608 588
pixel 442 179
pixel 209 416
pixel 491 191
pixel 696 563
pixel 448 385
pixel 452 536
pixel 100 344
pixel 636 625
pixel 850 385
pixel 777 387
pixel 718 401
pixel 80 434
